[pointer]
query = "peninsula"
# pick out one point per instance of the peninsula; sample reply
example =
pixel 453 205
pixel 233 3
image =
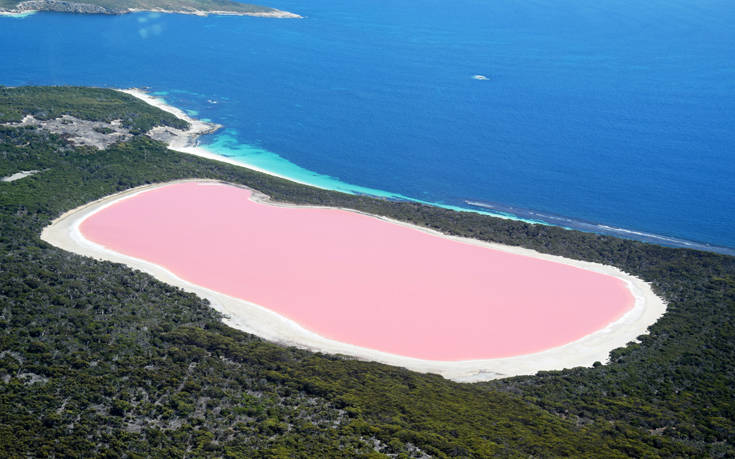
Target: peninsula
pixel 196 7
pixel 100 357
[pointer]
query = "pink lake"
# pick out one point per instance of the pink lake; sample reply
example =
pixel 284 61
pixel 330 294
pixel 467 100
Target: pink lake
pixel 360 280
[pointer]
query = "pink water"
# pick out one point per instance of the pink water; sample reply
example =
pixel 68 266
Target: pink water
pixel 360 280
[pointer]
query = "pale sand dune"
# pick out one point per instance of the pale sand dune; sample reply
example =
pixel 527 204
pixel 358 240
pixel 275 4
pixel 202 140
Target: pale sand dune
pixel 647 308
pixel 18 176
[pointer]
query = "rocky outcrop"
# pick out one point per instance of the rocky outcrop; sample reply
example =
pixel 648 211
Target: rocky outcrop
pixel 61 6
pixel 98 134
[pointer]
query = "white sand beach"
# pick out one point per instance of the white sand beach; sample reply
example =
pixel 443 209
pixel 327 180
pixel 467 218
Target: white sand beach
pixel 17 14
pixel 186 141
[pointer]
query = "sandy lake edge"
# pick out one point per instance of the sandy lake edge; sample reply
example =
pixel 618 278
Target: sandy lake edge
pixel 252 318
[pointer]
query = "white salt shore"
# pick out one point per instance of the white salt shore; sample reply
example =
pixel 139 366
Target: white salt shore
pixel 256 319
pixel 252 318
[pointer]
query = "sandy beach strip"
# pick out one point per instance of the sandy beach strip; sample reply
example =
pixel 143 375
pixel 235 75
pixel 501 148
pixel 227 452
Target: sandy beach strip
pixel 187 141
pixel 65 233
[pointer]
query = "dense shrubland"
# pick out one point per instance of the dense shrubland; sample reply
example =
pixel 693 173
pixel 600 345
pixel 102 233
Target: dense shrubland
pixel 93 104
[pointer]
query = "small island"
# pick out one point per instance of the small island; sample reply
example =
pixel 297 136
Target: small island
pixel 196 7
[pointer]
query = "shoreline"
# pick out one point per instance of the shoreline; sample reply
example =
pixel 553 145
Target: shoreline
pixel 17 14
pixel 187 141
pixel 258 320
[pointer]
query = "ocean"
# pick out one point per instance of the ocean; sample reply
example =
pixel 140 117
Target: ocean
pixel 613 116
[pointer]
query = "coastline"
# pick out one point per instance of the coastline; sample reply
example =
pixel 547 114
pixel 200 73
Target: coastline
pixel 252 318
pixel 17 14
pixel 28 7
pixel 187 141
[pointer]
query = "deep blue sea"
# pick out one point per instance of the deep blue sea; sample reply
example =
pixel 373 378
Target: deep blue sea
pixel 609 115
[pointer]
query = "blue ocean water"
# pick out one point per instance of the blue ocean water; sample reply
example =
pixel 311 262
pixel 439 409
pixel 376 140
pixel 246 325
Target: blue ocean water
pixel 613 116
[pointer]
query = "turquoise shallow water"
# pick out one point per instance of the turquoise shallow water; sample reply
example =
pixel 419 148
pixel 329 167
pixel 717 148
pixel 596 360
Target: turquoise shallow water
pixel 611 116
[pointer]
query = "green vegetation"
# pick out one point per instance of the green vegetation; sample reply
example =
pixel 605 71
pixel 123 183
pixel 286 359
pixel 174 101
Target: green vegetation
pixel 86 103
pixel 123 6
pixel 98 359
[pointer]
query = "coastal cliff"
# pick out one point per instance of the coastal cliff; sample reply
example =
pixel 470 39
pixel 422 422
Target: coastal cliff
pixel 196 7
